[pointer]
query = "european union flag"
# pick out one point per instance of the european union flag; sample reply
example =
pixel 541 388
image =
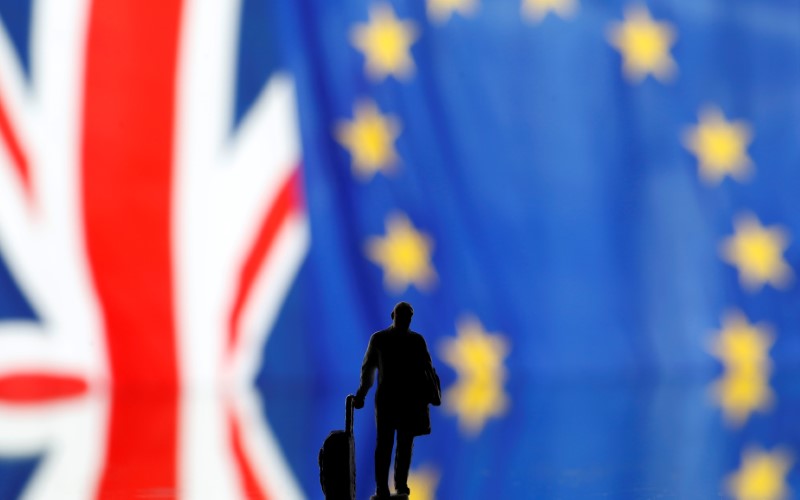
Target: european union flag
pixel 592 208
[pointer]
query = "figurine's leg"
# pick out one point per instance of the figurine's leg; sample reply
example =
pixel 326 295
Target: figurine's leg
pixel 402 460
pixel 383 457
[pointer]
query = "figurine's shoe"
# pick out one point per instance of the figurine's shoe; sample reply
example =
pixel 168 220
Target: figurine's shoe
pixel 381 495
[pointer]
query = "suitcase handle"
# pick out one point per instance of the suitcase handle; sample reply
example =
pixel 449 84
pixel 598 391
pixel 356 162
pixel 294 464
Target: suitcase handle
pixel 348 419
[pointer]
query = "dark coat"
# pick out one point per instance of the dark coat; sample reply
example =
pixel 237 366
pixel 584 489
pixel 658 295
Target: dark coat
pixel 407 381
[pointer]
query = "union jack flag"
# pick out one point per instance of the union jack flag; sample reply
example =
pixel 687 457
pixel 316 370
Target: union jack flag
pixel 153 235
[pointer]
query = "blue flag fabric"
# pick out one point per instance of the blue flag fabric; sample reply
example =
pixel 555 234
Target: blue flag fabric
pixel 598 184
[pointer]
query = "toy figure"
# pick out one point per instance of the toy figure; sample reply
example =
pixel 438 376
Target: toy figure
pixel 407 384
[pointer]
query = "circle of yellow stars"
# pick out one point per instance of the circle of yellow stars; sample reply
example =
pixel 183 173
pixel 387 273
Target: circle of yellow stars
pixel 720 146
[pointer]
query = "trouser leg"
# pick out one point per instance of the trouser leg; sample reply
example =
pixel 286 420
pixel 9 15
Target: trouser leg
pixel 402 460
pixel 383 457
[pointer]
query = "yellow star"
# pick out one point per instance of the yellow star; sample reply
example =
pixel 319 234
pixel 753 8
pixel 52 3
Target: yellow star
pixel 757 252
pixel 536 10
pixel 741 394
pixel 441 10
pixel 386 43
pixel 761 476
pixel 370 139
pixel 423 483
pixel 477 357
pixel 474 401
pixel 644 45
pixel 720 146
pixel 404 254
pixel 743 347
pixel 476 353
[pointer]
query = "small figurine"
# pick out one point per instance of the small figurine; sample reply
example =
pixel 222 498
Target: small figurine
pixel 407 384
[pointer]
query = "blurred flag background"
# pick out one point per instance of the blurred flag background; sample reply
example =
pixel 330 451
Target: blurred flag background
pixel 206 208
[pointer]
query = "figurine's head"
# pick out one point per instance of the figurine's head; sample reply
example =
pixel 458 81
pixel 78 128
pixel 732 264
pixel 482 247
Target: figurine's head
pixel 401 315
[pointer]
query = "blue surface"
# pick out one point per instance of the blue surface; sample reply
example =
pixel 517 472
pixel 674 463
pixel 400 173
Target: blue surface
pixel 567 215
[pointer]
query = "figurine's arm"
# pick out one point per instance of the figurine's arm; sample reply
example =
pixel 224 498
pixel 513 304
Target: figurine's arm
pixel 368 367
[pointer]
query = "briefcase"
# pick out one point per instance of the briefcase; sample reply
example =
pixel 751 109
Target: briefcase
pixel 337 460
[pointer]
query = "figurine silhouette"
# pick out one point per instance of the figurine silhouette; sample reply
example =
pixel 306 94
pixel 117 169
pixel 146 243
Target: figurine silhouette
pixel 407 383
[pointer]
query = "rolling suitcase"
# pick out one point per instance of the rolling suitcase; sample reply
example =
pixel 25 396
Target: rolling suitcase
pixel 337 460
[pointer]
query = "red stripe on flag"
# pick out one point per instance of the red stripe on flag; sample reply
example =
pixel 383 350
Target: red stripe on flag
pixel 287 202
pixel 250 485
pixel 18 157
pixel 127 145
pixel 37 387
